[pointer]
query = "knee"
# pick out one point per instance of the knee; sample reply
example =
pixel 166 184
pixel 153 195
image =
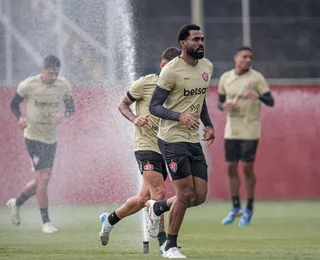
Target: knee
pixel 142 200
pixel 159 193
pixel 233 170
pixel 187 195
pixel 200 199
pixel 248 170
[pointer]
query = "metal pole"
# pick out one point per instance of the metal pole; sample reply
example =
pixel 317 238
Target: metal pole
pixel 246 25
pixel 60 42
pixel 197 13
pixel 8 44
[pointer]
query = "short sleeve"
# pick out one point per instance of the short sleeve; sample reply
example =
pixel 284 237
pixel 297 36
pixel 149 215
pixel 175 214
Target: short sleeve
pixel 136 89
pixel 262 86
pixel 167 78
pixel 221 89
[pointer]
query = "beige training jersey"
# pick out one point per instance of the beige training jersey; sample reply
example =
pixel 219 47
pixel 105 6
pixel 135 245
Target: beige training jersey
pixel 188 86
pixel 145 138
pixel 43 103
pixel 244 121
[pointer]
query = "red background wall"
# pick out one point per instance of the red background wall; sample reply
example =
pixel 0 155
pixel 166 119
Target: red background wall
pixel 95 162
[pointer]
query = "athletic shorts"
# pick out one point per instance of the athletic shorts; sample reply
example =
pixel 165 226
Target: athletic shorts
pixel 244 150
pixel 151 161
pixel 184 159
pixel 41 154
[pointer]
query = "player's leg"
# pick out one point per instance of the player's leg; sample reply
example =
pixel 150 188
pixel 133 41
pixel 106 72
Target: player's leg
pixel 233 155
pixel 43 159
pixel 131 206
pixel 249 149
pixel 155 182
pixel 15 203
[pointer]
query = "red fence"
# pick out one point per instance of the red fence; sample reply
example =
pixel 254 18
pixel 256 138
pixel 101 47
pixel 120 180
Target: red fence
pixel 95 162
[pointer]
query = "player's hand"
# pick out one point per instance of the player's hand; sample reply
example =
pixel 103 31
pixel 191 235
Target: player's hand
pixel 251 95
pixel 229 105
pixel 22 123
pixel 208 135
pixel 141 120
pixel 189 120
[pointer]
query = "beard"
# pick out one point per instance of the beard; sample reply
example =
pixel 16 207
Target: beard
pixel 195 54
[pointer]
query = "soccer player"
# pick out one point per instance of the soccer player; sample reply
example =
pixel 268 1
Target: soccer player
pixel 43 95
pixel 148 156
pixel 179 100
pixel 241 92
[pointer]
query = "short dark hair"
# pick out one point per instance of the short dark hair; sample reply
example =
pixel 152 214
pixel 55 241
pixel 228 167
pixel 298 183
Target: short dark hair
pixel 244 48
pixel 184 31
pixel 170 53
pixel 51 62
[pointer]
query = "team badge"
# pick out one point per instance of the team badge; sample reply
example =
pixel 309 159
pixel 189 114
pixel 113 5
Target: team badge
pixel 148 167
pixel 205 76
pixel 173 166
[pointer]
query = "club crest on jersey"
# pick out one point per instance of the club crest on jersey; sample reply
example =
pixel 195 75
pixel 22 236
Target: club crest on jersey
pixel 173 166
pixel 148 167
pixel 205 76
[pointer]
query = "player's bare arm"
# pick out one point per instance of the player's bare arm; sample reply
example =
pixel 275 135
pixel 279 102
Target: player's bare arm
pixel 125 110
pixel 157 109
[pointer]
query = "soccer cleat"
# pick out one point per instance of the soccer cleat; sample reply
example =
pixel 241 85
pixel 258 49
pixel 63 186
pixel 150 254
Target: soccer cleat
pixel 105 229
pixel 153 221
pixel 246 218
pixel 15 216
pixel 234 212
pixel 173 252
pixel 48 228
pixel 164 245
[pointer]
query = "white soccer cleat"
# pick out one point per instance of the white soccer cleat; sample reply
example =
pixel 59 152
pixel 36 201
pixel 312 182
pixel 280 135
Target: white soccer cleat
pixel 173 252
pixel 153 221
pixel 105 229
pixel 48 228
pixel 15 216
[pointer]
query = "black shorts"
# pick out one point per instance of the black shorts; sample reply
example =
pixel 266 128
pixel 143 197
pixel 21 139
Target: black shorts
pixel 184 159
pixel 151 161
pixel 42 154
pixel 244 150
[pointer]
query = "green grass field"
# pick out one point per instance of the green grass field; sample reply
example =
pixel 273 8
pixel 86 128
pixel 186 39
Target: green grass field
pixel 280 230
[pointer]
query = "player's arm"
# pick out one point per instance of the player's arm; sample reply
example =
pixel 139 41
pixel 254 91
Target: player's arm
pixel 221 100
pixel 125 110
pixel 208 129
pixel 267 99
pixel 69 107
pixel 124 107
pixel 15 105
pixel 156 107
pixel 204 115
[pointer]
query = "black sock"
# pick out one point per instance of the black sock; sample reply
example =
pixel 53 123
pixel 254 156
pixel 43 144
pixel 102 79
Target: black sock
pixel 171 242
pixel 162 237
pixel 23 197
pixel 160 207
pixel 250 203
pixel 113 218
pixel 44 215
pixel 236 202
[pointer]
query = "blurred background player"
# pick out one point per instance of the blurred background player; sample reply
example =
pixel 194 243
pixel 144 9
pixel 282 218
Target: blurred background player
pixel 179 100
pixel 147 153
pixel 241 92
pixel 43 95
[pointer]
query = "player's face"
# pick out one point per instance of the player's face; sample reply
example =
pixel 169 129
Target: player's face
pixel 243 60
pixel 50 75
pixel 194 44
